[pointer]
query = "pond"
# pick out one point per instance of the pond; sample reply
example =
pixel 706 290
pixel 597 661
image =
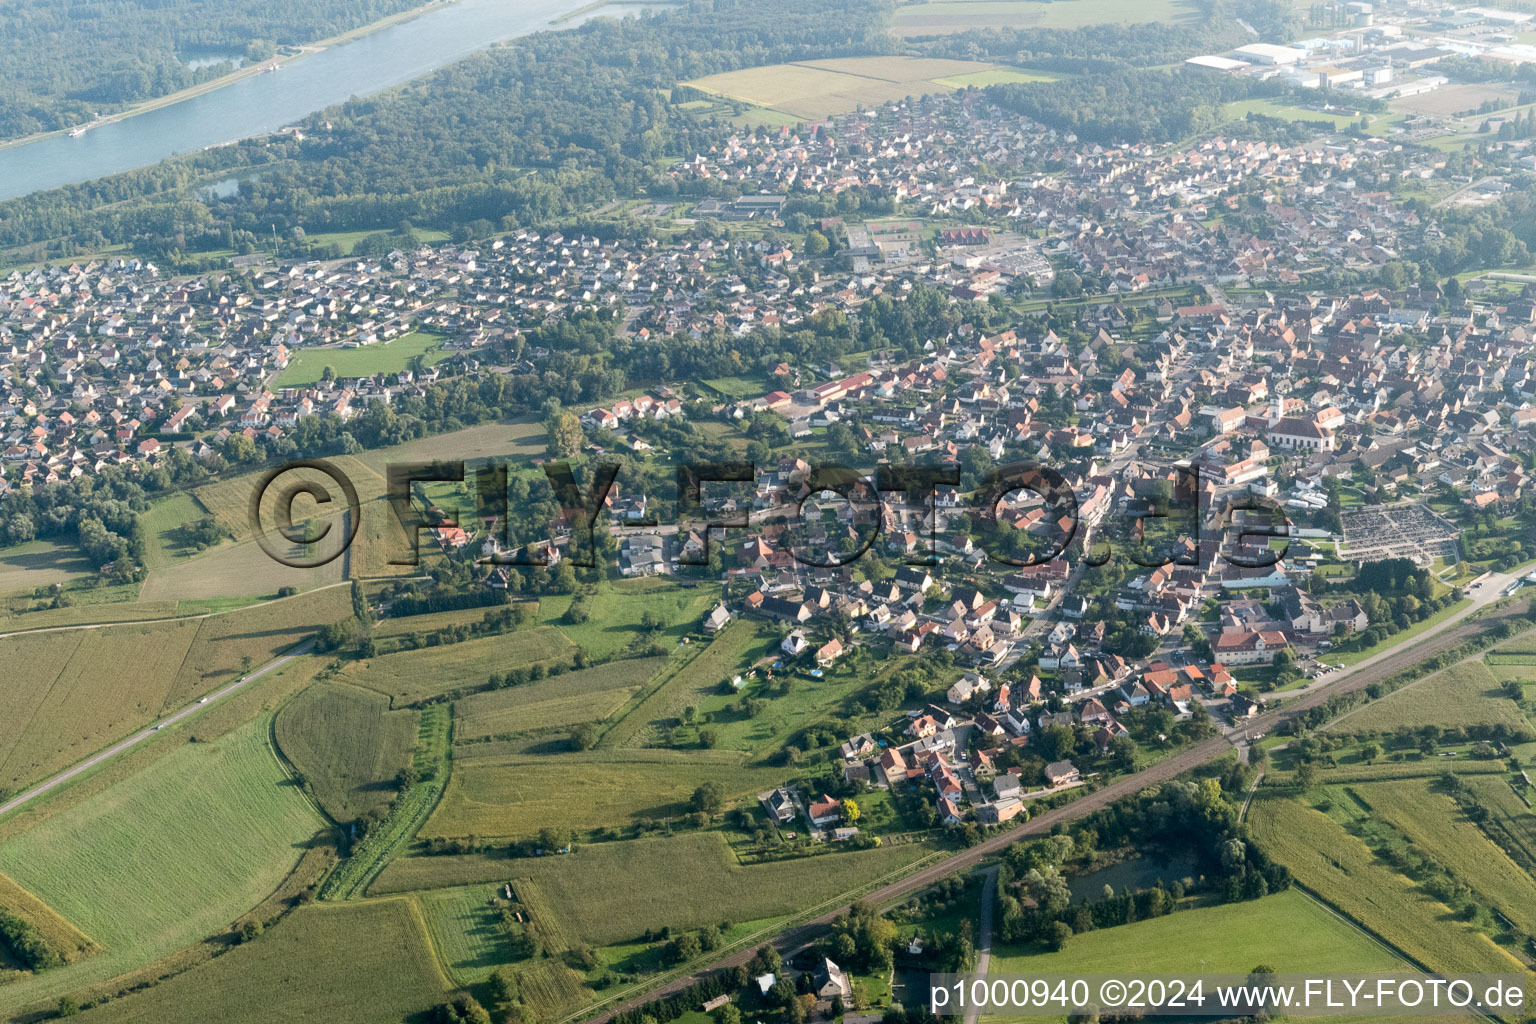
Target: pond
pixel 1131 873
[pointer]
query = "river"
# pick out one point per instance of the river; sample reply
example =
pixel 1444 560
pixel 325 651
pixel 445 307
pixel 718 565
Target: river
pixel 265 102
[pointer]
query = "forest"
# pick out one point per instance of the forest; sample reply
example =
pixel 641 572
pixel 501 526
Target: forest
pixel 585 111
pixel 557 123
pixel 62 67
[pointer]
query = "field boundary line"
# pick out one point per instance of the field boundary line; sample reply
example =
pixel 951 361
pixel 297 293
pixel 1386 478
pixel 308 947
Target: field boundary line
pixel 20 735
pixel 288 767
pixel 785 924
pixel 1478 656
pixel 1380 940
pixel 419 915
pixel 167 618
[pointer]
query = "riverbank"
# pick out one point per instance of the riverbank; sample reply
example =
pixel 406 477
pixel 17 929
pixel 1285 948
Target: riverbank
pixel 240 75
pixel 595 5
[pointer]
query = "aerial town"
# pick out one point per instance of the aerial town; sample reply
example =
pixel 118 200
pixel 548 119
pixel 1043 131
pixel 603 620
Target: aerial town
pixel 1381 420
pixel 832 496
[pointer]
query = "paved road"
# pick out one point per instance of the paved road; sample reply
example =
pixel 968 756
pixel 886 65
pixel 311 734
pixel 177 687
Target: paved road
pixel 144 734
pixel 984 939
pixel 1444 635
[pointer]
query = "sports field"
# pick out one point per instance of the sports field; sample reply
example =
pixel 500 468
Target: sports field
pixel 683 881
pixel 349 746
pixel 164 858
pixel 350 963
pixel 518 796
pixel 308 365
pixel 822 88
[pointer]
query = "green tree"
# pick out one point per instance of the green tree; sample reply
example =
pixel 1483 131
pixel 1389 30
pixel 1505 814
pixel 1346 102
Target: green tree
pixel 563 434
pixel 707 799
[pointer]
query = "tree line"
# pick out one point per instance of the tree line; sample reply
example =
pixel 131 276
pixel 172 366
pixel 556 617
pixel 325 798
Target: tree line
pixel 67 60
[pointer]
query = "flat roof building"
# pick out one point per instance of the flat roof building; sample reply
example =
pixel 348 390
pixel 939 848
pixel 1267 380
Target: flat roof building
pixel 1269 53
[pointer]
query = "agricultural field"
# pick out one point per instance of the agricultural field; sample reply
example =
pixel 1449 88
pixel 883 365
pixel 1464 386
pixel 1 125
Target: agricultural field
pixel 70 942
pixel 550 989
pixel 308 365
pixel 64 706
pixel 1464 694
pixel 586 695
pixel 91 605
pixel 1379 124
pixel 162 546
pixel 164 858
pixel 515 440
pixel 734 649
pixel 1229 938
pixel 409 676
pixel 615 610
pixel 431 622
pixel 1511 822
pixel 229 500
pixel 1344 872
pixel 379 537
pixel 259 633
pixel 41 563
pixel 996 76
pixel 234 570
pixel 1437 828
pixel 940 17
pixel 684 881
pixel 350 963
pixel 466 931
pixel 1454 99
pixel 348 744
pixel 1416 767
pixel 518 796
pixel 821 88
pixel 810 702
